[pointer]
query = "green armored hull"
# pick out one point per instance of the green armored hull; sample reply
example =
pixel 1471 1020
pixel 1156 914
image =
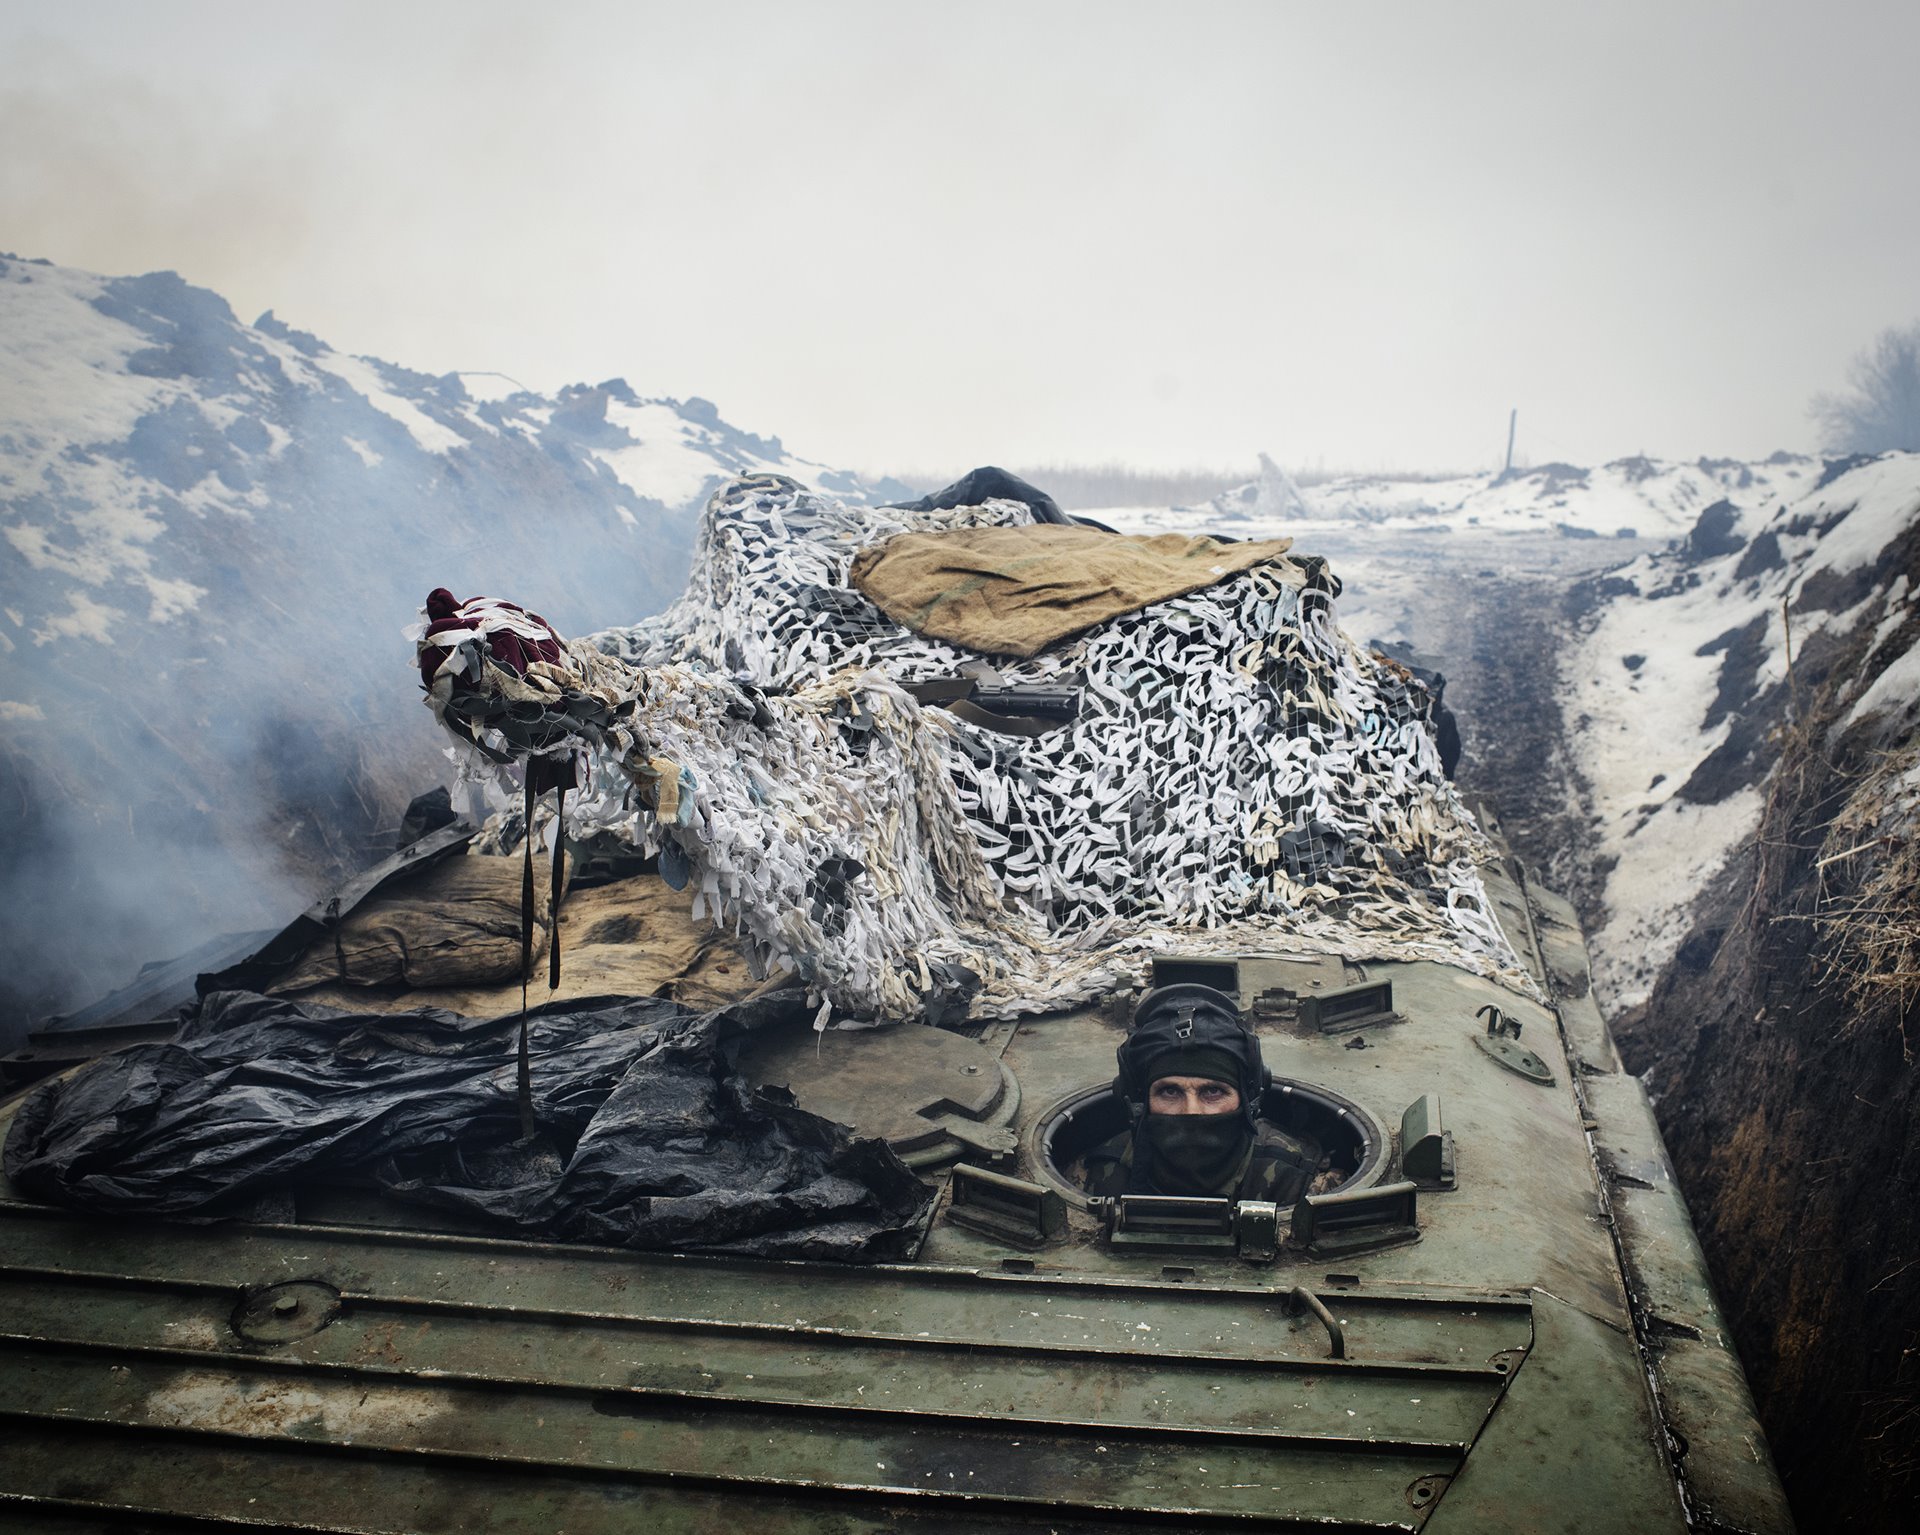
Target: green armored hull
pixel 1500 1320
pixel 1488 1312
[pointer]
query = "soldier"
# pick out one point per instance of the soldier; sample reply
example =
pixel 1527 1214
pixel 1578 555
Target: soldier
pixel 1192 1079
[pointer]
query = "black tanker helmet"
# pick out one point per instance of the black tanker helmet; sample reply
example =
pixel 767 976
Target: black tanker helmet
pixel 1189 1030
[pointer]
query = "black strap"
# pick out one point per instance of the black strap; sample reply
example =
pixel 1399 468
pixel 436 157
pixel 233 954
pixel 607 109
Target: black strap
pixel 527 1122
pixel 526 894
pixel 559 877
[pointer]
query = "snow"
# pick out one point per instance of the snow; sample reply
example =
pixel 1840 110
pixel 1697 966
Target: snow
pixel 65 387
pixel 665 465
pixel 676 462
pixel 84 619
pixel 1651 721
pixel 471 414
pixel 1628 498
pixel 1883 496
pixel 1896 689
pixel 81 515
pixel 1896 612
pixel 1130 519
pixel 170 599
pixel 66 379
pixel 294 363
pixel 208 496
pixel 360 375
pixel 1651 891
pixel 65 396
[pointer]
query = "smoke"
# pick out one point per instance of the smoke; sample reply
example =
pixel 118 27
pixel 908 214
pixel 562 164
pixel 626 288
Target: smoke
pixel 91 897
pixel 127 176
pixel 217 534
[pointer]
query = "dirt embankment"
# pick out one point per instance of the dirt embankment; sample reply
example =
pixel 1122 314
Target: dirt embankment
pixel 1491 612
pixel 1781 1048
pixel 1513 735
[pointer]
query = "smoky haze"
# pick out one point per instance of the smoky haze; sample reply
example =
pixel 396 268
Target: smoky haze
pixel 214 543
pixel 910 235
pixel 899 235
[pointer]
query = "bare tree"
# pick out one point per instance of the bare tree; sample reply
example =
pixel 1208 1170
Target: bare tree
pixel 1881 412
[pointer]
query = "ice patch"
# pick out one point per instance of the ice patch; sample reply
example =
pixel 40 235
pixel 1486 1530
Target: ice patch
pixel 1883 502
pixel 65 377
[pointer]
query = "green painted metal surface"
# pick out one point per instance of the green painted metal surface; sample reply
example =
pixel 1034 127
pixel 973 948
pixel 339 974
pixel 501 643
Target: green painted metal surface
pixel 1496 1371
pixel 1572 1450
pixel 703 1380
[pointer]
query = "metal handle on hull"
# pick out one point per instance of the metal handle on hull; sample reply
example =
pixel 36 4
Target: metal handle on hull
pixel 1301 1298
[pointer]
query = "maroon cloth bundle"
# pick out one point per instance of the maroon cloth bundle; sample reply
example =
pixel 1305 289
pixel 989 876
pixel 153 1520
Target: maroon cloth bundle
pixel 513 651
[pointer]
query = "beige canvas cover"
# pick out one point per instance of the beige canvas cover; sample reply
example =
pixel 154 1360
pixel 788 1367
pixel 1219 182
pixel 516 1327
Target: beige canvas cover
pixel 1015 591
pixel 453 924
pixel 633 938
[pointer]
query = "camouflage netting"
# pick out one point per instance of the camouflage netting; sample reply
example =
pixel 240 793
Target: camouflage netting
pixel 1240 776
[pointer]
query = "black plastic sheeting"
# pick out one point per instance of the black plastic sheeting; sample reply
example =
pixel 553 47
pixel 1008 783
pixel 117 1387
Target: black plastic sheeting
pixel 647 1138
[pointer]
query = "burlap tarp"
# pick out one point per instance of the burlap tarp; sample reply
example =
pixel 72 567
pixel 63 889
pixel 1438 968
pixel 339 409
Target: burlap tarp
pixel 1015 591
pixel 632 938
pixel 454 924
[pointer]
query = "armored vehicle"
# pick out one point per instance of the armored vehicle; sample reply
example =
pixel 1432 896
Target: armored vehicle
pixel 1491 1313
pixel 1499 1320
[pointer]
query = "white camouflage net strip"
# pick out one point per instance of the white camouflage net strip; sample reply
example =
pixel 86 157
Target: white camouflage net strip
pixel 1240 778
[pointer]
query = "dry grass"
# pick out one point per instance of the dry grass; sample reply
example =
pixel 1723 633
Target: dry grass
pixel 1868 916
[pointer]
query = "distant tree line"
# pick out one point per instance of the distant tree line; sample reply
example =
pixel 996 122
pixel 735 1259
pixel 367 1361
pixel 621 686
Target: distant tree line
pixel 1880 412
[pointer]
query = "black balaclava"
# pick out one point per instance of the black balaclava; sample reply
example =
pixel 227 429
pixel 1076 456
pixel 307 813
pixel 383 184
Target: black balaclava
pixel 1201 1155
pixel 1190 1031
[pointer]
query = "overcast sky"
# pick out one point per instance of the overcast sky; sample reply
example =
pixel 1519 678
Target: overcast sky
pixel 922 236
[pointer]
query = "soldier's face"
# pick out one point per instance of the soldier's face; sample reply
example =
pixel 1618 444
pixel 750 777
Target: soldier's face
pixel 1191 1095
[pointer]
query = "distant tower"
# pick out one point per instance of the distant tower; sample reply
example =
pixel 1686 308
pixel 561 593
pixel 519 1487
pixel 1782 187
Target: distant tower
pixel 1513 420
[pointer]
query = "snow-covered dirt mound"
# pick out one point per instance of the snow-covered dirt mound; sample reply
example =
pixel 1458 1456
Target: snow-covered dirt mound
pixel 1628 498
pixel 1685 673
